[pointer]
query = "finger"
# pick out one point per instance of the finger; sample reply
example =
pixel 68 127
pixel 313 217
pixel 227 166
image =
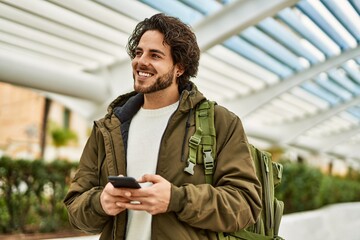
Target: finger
pixel 116 192
pixel 140 206
pixel 134 205
pixel 151 178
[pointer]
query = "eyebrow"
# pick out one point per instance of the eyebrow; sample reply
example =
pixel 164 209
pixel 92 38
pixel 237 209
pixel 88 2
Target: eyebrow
pixel 153 51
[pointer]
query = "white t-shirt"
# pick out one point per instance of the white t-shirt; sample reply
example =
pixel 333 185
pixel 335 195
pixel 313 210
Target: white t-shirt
pixel 146 130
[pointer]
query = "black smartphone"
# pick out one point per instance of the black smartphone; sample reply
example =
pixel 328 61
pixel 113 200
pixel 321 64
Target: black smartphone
pixel 123 182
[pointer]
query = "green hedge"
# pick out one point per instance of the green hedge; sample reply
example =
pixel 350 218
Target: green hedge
pixel 305 188
pixel 31 194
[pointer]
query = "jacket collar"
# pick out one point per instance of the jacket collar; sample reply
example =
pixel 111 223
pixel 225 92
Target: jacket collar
pixel 126 106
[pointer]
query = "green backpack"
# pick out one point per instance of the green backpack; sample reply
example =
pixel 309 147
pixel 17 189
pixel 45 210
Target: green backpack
pixel 202 150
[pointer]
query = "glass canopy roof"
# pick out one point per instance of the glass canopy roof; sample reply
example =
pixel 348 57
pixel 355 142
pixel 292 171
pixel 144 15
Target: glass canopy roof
pixel 289 69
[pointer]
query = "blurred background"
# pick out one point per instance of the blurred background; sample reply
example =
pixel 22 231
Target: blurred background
pixel 288 68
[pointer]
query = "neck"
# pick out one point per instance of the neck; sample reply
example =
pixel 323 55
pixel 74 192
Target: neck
pixel 160 99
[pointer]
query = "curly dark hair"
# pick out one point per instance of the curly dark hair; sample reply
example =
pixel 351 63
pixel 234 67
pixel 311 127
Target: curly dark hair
pixel 181 39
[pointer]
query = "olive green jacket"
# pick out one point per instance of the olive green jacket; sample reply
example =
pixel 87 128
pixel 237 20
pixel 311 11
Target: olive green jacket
pixel 196 210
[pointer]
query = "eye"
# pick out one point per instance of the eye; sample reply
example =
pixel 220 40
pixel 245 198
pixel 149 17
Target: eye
pixel 138 53
pixel 156 56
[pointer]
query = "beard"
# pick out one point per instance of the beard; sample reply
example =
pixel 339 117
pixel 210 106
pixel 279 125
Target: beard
pixel 160 83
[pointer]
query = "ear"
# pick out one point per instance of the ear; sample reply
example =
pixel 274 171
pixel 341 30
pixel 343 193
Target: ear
pixel 179 70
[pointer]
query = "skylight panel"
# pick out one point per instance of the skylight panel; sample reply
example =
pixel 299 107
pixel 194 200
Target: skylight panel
pixel 294 100
pixel 225 92
pixel 37 22
pixel 353 69
pixel 177 9
pixel 242 47
pixel 294 110
pixel 130 8
pixel 68 18
pixel 326 83
pixel 311 98
pixel 321 15
pixel 356 4
pixel 236 60
pixel 309 30
pixel 317 90
pixel 211 90
pixel 289 39
pixel 340 77
pixel 304 62
pixel 313 132
pixel 206 7
pixel 355 111
pixel 341 123
pixel 350 118
pixel 355 139
pixel 264 116
pixel 326 128
pixel 325 39
pixel 100 13
pixel 281 115
pixel 347 15
pixel 231 72
pixel 311 48
pixel 223 81
pixel 272 47
pixel 323 129
pixel 55 42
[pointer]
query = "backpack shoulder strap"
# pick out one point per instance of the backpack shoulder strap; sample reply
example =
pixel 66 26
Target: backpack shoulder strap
pixel 202 145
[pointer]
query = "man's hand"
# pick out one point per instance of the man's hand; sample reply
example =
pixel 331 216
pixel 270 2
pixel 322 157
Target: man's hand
pixel 110 197
pixel 154 199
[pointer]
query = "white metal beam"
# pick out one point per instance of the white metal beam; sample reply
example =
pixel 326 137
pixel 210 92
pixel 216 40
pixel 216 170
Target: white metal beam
pixel 287 133
pixel 68 18
pixel 323 144
pixel 348 150
pixel 19 70
pixel 83 107
pixel 334 141
pixel 234 18
pixel 100 13
pixel 57 29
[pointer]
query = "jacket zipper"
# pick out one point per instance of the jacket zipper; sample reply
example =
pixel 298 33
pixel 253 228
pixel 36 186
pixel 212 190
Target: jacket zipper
pixel 116 173
pixel 186 134
pixel 266 173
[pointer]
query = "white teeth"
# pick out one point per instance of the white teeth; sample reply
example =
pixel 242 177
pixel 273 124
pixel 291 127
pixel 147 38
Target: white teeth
pixel 143 74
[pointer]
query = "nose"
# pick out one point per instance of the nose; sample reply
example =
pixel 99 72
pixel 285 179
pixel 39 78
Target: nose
pixel 143 60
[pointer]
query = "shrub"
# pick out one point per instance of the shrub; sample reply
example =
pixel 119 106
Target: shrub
pixel 31 194
pixel 305 188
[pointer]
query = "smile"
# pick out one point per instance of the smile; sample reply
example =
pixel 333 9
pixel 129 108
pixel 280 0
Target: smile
pixel 144 74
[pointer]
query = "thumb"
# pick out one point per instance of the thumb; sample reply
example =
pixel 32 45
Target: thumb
pixel 150 178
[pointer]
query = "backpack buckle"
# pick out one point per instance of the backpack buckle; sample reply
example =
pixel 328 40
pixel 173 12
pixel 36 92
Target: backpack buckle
pixel 195 140
pixel 208 161
pixel 190 167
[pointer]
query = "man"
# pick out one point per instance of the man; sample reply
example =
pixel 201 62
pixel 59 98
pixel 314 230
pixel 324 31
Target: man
pixel 145 135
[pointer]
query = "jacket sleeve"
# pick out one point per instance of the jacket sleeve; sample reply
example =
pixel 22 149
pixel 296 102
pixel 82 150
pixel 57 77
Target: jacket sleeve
pixel 83 198
pixel 233 202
